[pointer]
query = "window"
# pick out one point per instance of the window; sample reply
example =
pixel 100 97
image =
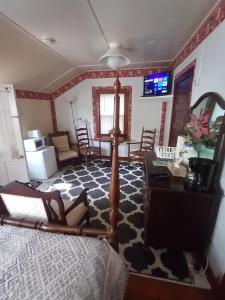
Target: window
pixel 106 113
pixel 103 110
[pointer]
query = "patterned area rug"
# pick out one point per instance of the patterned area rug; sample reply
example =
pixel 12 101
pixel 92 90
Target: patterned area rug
pixel 157 262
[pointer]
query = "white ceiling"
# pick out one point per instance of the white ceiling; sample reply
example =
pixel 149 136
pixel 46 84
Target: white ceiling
pixel 151 31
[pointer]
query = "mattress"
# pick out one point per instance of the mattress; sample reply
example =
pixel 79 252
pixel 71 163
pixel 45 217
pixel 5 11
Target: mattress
pixel 42 265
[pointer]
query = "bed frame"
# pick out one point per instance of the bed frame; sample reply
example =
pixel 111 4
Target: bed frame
pixel 114 195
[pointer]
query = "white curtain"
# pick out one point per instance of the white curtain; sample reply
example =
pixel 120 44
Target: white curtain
pixel 107 112
pixel 8 144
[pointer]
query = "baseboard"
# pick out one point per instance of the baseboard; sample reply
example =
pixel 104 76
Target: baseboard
pixel 217 284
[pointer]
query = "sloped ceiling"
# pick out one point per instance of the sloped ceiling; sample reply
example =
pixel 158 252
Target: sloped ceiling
pixel 151 31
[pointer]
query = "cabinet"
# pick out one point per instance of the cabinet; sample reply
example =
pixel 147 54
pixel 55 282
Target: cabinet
pixel 41 164
pixel 174 217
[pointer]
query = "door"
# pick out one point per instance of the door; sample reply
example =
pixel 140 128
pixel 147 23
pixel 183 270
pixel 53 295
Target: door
pixel 12 159
pixel 181 105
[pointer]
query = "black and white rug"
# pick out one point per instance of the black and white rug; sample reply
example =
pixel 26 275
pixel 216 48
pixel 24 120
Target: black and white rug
pixel 157 262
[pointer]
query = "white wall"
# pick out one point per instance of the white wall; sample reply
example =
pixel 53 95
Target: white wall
pixel 34 114
pixel 145 112
pixel 210 77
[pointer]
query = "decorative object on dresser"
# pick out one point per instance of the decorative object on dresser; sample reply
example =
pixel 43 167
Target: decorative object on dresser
pixel 64 149
pixel 207 126
pixel 146 144
pixel 209 109
pixel 86 149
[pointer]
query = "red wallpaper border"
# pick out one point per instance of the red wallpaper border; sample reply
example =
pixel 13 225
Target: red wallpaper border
pixel 53 114
pixel 105 74
pixel 163 122
pixel 208 26
pixel 23 94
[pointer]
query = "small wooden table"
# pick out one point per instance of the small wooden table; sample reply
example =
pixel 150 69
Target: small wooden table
pixel 108 139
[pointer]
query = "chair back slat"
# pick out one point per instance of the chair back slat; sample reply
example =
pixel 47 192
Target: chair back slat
pixel 82 136
pixel 147 139
pixel 86 149
pixel 146 144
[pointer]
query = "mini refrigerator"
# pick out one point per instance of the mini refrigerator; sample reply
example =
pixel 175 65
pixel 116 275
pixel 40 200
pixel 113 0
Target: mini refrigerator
pixel 42 163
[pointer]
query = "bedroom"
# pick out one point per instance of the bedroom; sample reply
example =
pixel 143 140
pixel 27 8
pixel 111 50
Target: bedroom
pixel 54 71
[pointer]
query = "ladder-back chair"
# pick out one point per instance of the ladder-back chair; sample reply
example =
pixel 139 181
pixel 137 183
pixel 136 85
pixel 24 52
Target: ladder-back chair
pixel 86 149
pixel 146 144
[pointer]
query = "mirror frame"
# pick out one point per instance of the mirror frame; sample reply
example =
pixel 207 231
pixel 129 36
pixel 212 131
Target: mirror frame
pixel 220 146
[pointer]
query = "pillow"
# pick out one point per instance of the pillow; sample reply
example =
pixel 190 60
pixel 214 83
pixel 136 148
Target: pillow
pixel 61 143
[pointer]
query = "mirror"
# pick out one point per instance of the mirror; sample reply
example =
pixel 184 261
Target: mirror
pixel 210 109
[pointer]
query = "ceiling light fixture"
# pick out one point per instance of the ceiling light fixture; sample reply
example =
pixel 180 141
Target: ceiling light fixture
pixel 114 57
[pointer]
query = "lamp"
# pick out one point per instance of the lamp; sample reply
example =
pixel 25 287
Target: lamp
pixel 114 57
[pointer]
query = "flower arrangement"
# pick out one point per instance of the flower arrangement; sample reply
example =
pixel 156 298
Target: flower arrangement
pixel 197 129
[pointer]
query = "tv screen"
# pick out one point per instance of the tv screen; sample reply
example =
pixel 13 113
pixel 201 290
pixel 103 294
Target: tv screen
pixel 157 84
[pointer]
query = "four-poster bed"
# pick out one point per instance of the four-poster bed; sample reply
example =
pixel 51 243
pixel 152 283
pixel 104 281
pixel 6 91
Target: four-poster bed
pixel 119 281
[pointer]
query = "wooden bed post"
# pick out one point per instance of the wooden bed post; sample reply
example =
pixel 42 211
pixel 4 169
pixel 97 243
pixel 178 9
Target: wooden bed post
pixel 114 189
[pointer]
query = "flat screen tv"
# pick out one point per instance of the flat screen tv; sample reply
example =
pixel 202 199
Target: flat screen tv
pixel 157 84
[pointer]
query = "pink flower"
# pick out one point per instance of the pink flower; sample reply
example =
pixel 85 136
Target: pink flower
pixel 199 125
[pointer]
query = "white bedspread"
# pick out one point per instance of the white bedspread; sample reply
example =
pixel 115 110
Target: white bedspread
pixel 39 265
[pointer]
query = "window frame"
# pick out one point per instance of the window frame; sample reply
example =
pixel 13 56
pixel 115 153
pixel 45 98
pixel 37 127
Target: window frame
pixel 96 92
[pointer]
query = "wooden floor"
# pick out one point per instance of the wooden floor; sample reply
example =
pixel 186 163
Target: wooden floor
pixel 141 288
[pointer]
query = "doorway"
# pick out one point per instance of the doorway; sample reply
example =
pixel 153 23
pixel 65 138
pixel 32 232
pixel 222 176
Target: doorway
pixel 181 104
pixel 12 158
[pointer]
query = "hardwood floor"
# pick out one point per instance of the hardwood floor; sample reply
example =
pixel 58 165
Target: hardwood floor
pixel 141 288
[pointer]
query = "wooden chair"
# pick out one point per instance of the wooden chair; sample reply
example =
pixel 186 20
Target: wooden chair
pixel 64 149
pixel 18 200
pixel 146 144
pixel 86 150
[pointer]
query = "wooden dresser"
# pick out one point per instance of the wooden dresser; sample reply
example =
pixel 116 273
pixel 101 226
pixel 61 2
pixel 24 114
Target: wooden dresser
pixel 174 217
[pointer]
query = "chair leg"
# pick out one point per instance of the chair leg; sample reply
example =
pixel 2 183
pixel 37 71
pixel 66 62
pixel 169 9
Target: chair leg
pixel 88 218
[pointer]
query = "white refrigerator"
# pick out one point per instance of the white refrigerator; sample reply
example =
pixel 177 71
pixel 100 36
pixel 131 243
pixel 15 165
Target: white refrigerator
pixel 41 164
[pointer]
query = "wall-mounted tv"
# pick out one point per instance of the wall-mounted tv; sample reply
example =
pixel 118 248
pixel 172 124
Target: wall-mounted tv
pixel 157 84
